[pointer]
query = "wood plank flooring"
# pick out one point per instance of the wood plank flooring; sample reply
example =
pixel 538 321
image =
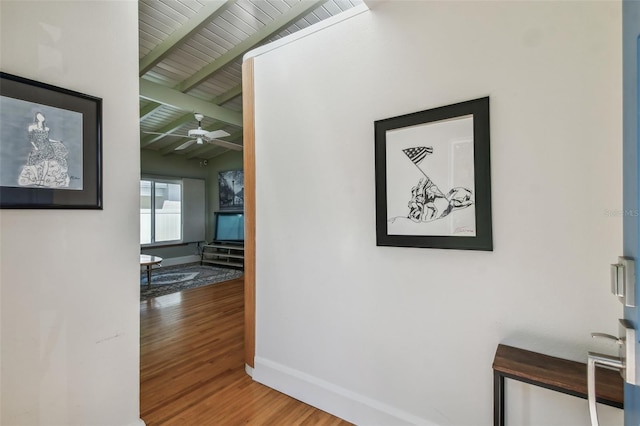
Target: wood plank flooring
pixel 192 365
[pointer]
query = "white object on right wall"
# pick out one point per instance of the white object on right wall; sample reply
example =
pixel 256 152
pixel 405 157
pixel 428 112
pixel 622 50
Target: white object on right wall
pixel 430 167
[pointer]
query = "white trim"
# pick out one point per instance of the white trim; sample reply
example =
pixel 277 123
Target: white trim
pixel 347 14
pixel 248 369
pixel 138 422
pixel 341 402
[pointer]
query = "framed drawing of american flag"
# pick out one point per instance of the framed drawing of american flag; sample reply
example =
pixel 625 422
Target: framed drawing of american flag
pixel 433 178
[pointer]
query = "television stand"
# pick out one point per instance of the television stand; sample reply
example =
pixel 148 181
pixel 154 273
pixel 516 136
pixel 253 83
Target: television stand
pixel 223 253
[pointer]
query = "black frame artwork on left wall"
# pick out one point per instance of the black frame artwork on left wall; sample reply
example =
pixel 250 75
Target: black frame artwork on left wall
pixel 50 146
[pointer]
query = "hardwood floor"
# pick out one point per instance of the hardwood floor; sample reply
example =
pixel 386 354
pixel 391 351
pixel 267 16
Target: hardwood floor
pixel 192 365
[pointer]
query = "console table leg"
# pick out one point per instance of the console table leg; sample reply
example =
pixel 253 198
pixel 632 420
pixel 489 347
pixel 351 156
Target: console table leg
pixel 498 399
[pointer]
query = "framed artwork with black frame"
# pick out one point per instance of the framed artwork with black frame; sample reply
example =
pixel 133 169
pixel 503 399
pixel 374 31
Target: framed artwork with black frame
pixel 50 146
pixel 231 189
pixel 433 178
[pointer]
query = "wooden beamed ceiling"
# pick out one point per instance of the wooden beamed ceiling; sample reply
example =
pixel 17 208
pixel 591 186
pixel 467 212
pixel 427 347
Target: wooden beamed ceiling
pixel 190 61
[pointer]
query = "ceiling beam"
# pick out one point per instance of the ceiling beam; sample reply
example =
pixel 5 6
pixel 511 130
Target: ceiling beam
pixel 204 16
pixel 228 95
pixel 203 149
pixel 148 110
pixel 277 25
pixel 218 100
pixel 167 96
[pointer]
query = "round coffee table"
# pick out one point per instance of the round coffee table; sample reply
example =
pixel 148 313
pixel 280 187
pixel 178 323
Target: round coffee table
pixel 148 261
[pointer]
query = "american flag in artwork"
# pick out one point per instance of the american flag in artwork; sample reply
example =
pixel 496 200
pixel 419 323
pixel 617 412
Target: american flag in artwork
pixel 417 154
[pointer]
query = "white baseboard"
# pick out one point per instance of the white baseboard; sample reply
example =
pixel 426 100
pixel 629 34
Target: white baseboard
pixel 172 261
pixel 138 422
pixel 340 402
pixel 249 370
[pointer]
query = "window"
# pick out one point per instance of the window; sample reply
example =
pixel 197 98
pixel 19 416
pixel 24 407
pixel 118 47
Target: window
pixel 160 211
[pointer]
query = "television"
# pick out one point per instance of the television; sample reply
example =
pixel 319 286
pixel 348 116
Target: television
pixel 229 226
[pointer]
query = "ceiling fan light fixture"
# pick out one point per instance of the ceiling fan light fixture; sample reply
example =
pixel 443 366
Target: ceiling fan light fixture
pixel 200 136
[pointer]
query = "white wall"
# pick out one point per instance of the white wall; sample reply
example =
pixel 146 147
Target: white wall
pixel 153 163
pixel 69 278
pixel 399 335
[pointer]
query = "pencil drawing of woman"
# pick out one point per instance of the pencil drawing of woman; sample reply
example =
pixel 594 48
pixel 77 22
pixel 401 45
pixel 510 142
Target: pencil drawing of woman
pixel 47 162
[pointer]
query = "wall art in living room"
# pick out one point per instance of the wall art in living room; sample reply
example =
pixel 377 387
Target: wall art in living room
pixel 231 189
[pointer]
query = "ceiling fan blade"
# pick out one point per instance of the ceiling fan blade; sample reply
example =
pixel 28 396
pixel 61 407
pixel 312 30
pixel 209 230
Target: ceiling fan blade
pixel 185 145
pixel 166 134
pixel 216 134
pixel 225 144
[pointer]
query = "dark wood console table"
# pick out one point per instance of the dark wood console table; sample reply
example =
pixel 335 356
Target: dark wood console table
pixel 561 375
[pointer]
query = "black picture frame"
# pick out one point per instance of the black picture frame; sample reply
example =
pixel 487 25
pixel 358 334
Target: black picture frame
pixel 453 142
pixel 231 190
pixel 50 146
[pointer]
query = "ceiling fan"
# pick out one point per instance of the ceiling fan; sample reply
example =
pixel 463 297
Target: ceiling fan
pixel 200 136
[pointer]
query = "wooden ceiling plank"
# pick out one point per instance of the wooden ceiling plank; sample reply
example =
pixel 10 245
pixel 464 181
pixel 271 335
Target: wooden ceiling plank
pixel 332 8
pixel 173 69
pixel 267 9
pixel 235 104
pixel 169 149
pixel 223 79
pixel 208 36
pixel 282 22
pixel 187 57
pixel 199 53
pixel 254 12
pixel 247 19
pixel 167 96
pixel 322 13
pixel 235 26
pixel 201 150
pixel 158 22
pixel 205 15
pixel 186 9
pixel 222 35
pixel 280 5
pixel 228 95
pixel 148 110
pixel 151 31
pixel 218 154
